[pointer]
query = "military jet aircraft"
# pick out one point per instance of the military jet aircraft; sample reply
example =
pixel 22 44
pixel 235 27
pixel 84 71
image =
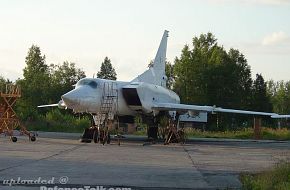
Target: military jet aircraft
pixel 145 95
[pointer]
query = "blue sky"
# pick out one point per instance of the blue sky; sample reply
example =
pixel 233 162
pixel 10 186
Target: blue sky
pixel 129 32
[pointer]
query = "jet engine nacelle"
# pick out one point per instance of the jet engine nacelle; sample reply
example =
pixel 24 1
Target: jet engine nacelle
pixel 141 96
pixel 193 113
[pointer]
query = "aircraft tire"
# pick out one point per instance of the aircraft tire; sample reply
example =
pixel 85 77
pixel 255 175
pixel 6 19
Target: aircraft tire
pixel 14 139
pixel 108 138
pixel 32 138
pixel 96 136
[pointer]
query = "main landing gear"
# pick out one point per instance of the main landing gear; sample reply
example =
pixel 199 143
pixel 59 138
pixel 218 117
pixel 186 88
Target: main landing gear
pixel 169 131
pixel 97 135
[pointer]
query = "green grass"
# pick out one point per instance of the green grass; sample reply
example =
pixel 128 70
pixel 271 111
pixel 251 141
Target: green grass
pixel 76 127
pixel 56 121
pixel 276 179
pixel 247 133
pixel 140 133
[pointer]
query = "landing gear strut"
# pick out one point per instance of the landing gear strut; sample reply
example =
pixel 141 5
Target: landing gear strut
pixel 152 134
pixel 105 136
pixel 96 134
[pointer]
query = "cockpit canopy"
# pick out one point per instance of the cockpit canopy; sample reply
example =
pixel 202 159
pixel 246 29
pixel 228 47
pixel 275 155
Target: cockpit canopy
pixel 87 82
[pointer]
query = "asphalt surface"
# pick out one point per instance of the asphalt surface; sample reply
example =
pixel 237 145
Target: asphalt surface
pixel 63 161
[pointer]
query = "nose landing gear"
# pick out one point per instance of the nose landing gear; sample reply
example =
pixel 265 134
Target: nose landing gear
pixel 105 137
pixel 96 134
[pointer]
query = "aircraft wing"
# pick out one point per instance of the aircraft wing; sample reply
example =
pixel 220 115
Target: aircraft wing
pixel 196 108
pixel 280 116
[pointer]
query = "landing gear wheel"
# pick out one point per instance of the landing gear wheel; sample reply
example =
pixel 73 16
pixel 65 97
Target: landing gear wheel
pixel 102 137
pixel 105 138
pixel 104 141
pixel 32 138
pixel 87 136
pixel 95 136
pixel 108 138
pixel 14 139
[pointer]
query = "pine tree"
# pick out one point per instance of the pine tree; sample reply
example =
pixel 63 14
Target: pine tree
pixel 261 102
pixel 107 71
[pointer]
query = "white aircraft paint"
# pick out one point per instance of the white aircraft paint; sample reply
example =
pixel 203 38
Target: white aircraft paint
pixel 146 94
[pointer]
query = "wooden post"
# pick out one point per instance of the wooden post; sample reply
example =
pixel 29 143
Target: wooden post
pixel 257 128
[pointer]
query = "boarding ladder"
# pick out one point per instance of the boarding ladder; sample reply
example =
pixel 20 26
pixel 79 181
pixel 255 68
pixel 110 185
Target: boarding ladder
pixel 104 118
pixel 109 104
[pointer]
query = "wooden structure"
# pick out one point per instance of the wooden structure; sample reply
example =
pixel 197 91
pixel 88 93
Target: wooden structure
pixel 9 120
pixel 174 135
pixel 257 128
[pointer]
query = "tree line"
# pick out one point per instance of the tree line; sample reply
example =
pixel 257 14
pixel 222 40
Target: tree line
pixel 207 74
pixel 44 84
pixel 204 74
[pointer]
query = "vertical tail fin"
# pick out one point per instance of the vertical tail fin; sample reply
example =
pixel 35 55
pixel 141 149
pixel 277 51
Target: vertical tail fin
pixel 160 58
pixel 156 73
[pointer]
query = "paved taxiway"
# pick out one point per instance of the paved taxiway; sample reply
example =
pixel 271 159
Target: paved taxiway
pixel 205 164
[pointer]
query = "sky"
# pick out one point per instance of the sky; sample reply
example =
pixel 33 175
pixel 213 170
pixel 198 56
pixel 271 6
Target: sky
pixel 129 32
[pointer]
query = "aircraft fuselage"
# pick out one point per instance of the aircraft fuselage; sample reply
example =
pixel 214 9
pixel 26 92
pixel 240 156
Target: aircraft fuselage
pixel 133 98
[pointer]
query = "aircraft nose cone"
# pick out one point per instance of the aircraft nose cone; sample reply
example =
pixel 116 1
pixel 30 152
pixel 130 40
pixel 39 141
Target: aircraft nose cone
pixel 71 99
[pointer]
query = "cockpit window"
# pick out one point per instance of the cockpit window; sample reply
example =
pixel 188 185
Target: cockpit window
pixel 87 82
pixel 93 84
